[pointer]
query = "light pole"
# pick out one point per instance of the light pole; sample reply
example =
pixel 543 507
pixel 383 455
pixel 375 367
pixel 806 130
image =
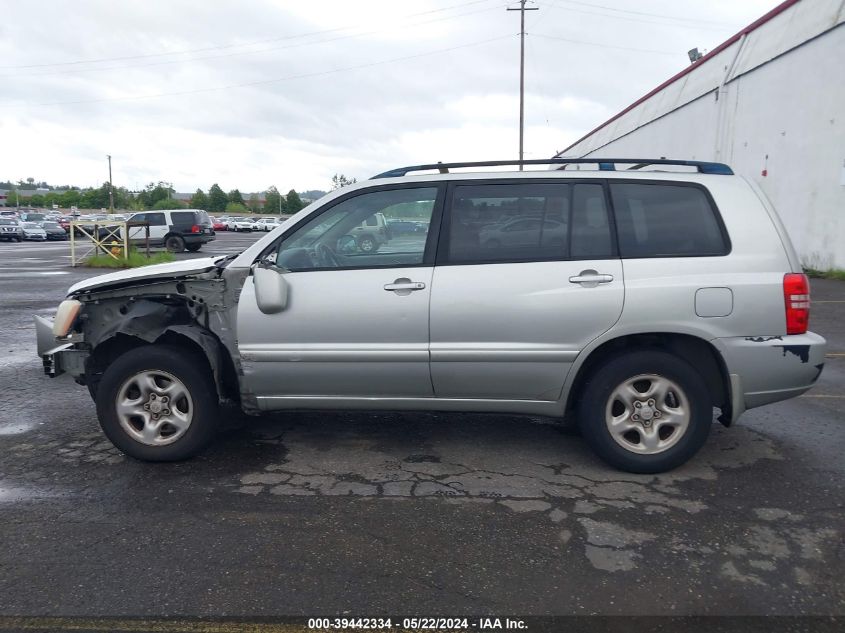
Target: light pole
pixel 522 9
pixel 111 187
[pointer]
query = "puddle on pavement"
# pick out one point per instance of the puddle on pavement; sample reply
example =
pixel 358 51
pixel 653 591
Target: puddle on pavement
pixel 16 428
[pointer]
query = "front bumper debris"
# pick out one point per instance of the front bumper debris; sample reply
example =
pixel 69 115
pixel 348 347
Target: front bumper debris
pixel 58 357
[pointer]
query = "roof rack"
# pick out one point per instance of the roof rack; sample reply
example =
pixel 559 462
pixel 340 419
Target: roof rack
pixel 605 164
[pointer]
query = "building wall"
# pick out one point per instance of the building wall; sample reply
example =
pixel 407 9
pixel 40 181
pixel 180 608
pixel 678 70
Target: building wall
pixel 781 122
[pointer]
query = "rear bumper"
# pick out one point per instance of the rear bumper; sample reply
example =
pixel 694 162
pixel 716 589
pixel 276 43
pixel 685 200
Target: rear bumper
pixel 766 369
pixel 198 238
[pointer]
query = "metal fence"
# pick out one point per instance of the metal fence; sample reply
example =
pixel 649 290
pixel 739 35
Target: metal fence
pixel 104 237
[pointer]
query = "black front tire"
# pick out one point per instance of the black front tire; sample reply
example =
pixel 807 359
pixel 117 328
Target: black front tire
pixel 191 369
pixel 594 407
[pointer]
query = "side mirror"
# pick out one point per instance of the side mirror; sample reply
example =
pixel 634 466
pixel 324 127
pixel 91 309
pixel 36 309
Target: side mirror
pixel 346 244
pixel 271 289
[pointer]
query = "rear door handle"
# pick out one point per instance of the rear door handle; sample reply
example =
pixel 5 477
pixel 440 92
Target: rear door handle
pixel 590 278
pixel 405 285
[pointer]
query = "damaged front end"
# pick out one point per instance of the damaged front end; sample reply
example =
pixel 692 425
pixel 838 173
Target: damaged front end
pixel 194 311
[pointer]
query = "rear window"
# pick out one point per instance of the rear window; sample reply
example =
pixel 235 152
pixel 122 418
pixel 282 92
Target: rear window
pixel 660 220
pixel 190 217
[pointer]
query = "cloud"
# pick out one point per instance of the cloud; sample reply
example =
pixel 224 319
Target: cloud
pixel 264 92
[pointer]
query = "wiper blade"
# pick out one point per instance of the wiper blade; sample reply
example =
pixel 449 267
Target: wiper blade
pixel 224 261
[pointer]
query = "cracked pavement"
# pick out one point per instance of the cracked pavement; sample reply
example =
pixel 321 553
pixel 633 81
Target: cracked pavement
pixel 364 513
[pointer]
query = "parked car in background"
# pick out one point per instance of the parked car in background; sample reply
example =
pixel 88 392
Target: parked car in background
pixel 32 216
pixel 10 229
pixel 240 224
pixel 403 227
pixel 176 230
pixel 219 224
pixel 33 231
pixel 54 230
pixel 268 224
pixel 523 232
pixel 371 233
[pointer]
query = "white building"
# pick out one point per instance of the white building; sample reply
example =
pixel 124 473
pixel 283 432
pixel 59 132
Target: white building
pixel 770 102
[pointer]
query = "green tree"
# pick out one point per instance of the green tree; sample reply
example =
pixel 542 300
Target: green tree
pixel 294 203
pixel 164 205
pixel 217 199
pixel 70 198
pixel 36 200
pixel 235 207
pixel 122 198
pixel 254 203
pixel 339 180
pixel 274 202
pixel 199 200
pixel 50 199
pixel 236 197
pixel 155 192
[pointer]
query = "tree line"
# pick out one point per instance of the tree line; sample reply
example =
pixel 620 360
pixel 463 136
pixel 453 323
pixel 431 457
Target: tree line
pixel 218 201
pixel 159 196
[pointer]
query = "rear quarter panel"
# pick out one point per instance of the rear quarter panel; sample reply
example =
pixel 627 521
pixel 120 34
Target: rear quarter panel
pixel 660 292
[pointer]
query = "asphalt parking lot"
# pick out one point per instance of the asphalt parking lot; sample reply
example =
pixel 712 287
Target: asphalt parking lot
pixel 426 514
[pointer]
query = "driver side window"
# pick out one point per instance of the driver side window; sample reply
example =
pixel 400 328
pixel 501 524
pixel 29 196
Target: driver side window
pixel 385 228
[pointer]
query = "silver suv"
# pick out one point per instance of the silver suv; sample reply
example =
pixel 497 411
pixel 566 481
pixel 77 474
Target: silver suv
pixel 634 301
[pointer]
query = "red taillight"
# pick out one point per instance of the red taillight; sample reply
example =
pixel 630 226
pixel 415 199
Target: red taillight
pixel 196 228
pixel 796 297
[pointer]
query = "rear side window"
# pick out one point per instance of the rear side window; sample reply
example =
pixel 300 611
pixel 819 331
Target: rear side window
pixel 528 222
pixel 661 220
pixel 184 218
pixel 156 219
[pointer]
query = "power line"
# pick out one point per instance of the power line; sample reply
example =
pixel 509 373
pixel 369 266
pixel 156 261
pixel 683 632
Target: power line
pixel 686 22
pixel 603 45
pixel 227 46
pixel 263 81
pixel 715 23
pixel 252 52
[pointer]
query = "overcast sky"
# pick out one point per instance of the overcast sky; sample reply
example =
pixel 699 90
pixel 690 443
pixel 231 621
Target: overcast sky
pixel 261 92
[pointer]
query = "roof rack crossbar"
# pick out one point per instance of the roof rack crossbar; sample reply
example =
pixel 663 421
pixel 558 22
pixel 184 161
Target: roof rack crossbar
pixel 605 164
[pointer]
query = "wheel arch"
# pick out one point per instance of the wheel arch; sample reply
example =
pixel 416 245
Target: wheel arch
pixel 698 352
pixel 194 339
pixel 172 233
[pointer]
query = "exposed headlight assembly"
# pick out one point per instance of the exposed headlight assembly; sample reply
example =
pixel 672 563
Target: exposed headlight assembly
pixel 65 317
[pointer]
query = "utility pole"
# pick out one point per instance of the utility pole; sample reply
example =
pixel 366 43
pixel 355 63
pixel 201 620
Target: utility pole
pixel 111 187
pixel 522 9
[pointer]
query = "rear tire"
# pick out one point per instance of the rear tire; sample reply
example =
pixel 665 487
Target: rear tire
pixel 156 403
pixel 645 411
pixel 367 245
pixel 174 244
pixel 193 248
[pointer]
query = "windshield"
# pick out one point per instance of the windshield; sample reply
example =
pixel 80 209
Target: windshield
pixel 30 225
pixel 50 225
pixel 8 222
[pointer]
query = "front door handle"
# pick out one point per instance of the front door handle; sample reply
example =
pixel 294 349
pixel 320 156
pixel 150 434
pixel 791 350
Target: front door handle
pixel 404 286
pixel 590 278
